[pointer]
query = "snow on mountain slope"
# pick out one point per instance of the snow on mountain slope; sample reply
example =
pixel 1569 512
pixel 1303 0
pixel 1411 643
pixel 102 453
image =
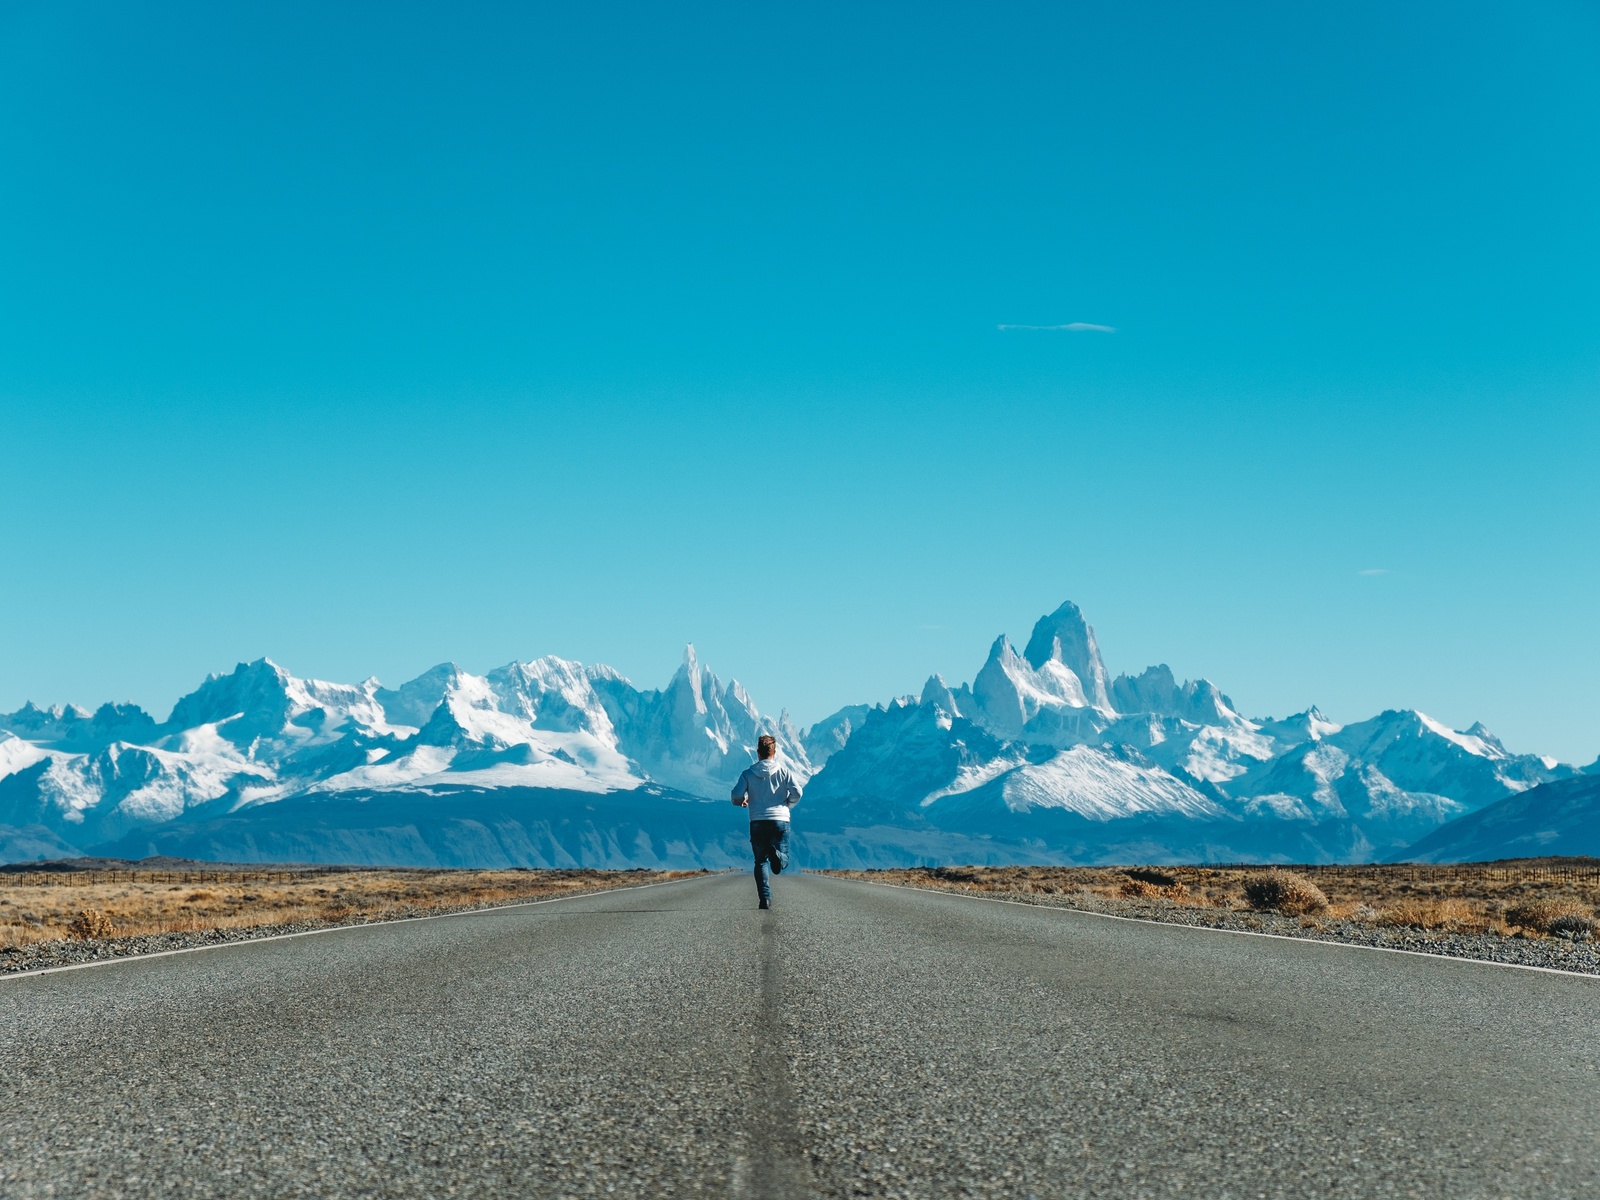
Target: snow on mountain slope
pixel 1046 705
pixel 1395 762
pixel 1057 694
pixel 1155 690
pixel 124 784
pixel 87 797
pixel 1308 726
pixel 918 762
pixel 832 732
pixel 18 753
pixel 260 700
pixel 905 757
pixel 1103 787
pixel 1043 757
pixel 1063 647
pixel 1213 755
pixel 411 704
pixel 71 728
pixel 537 724
pixel 695 734
pixel 1028 736
pixel 257 735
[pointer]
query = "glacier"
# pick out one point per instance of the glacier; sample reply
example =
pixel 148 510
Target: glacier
pixel 1044 756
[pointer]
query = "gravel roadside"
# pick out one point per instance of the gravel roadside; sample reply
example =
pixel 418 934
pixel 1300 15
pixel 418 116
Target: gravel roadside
pixel 1555 953
pixel 69 952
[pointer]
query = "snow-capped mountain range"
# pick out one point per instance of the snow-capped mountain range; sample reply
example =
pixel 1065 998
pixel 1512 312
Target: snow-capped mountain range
pixel 1144 767
pixel 258 735
pixel 1044 756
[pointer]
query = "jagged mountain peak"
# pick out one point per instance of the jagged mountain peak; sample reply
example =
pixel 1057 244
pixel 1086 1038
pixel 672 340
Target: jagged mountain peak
pixel 939 694
pixel 413 702
pixel 70 723
pixel 1408 723
pixel 1312 725
pixel 539 675
pixel 31 712
pixel 260 688
pixel 834 731
pixel 1049 703
pixel 1064 637
pixel 1032 734
pixel 734 696
pixel 1157 690
pixel 1478 730
pixel 551 693
pixel 690 664
pixel 688 684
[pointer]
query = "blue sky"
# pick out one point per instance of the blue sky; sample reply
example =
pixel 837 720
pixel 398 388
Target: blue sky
pixel 370 338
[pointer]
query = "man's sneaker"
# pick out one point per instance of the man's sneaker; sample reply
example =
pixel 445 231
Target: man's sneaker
pixel 765 904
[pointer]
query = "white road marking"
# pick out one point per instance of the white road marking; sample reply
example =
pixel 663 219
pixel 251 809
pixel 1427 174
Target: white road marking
pixel 283 937
pixel 1281 937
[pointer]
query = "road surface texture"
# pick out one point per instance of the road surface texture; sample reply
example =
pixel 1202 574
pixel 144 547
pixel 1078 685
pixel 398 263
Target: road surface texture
pixel 857 1040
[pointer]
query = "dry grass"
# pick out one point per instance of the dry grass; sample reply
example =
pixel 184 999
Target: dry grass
pixel 118 904
pixel 1531 899
pixel 1450 913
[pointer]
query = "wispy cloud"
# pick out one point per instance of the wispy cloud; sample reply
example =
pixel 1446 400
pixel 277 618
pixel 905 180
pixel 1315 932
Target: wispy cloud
pixel 1071 327
pixel 1374 571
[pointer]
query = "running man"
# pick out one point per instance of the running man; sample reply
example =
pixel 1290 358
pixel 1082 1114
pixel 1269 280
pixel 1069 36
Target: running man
pixel 767 790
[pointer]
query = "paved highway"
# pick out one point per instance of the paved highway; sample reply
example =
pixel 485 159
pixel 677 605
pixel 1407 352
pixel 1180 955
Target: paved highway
pixel 857 1040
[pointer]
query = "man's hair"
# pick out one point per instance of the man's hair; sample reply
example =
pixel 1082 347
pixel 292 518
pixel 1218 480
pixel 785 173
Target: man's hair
pixel 766 745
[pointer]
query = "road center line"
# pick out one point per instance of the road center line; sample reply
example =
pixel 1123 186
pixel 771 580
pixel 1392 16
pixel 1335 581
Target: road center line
pixel 779 1171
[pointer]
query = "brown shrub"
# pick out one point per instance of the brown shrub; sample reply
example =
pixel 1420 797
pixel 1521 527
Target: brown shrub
pixel 1153 876
pixel 1141 888
pixel 1285 892
pixel 1542 916
pixel 958 874
pixel 91 923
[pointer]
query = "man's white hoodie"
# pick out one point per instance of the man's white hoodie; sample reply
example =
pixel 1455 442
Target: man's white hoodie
pixel 769 788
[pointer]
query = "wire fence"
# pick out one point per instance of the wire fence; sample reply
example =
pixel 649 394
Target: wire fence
pixel 91 878
pixel 73 876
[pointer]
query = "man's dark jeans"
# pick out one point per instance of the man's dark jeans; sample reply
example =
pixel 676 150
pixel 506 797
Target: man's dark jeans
pixel 770 841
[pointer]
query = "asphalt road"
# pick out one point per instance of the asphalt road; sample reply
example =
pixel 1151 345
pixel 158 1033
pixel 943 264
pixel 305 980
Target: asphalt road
pixel 857 1040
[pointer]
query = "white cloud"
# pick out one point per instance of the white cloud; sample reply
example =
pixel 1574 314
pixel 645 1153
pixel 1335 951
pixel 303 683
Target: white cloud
pixel 1374 571
pixel 1072 327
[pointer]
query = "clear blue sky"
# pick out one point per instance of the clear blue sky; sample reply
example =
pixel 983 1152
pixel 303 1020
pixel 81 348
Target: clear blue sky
pixel 366 337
